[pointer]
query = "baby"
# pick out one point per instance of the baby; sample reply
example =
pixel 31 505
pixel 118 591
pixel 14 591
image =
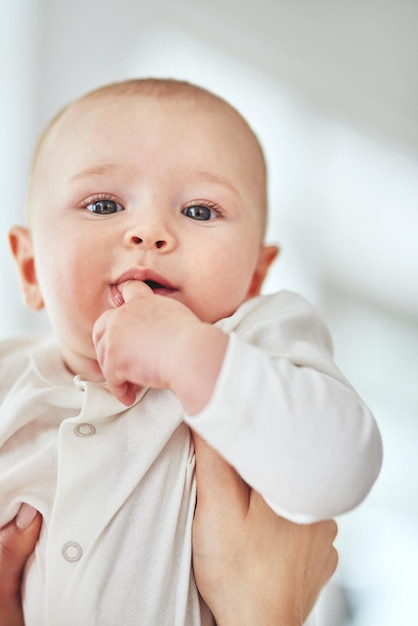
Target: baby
pixel 147 210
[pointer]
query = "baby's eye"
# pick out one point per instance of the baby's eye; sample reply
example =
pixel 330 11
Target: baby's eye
pixel 104 207
pixel 199 212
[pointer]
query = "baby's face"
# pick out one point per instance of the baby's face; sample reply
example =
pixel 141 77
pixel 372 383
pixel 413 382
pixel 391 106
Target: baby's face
pixel 168 191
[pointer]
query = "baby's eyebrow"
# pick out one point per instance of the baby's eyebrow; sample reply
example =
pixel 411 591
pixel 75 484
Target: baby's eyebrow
pixel 217 179
pixel 109 168
pixel 96 170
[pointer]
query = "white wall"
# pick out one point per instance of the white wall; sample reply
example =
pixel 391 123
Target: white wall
pixel 20 24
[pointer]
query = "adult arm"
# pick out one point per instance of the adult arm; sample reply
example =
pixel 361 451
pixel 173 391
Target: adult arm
pixel 252 566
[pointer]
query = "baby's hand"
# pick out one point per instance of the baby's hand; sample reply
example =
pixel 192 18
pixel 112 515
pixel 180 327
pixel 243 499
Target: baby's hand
pixel 146 341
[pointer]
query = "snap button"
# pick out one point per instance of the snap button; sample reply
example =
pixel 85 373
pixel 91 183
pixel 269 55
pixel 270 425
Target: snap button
pixel 79 383
pixel 72 551
pixel 85 430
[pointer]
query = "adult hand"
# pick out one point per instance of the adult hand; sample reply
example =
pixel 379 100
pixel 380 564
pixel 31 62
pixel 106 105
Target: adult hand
pixel 17 542
pixel 251 566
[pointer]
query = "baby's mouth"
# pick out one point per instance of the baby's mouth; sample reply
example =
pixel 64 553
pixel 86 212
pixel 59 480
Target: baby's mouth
pixel 157 284
pixel 161 289
pixel 154 285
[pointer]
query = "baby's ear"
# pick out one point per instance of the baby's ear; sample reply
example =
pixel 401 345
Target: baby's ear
pixel 22 249
pixel 266 257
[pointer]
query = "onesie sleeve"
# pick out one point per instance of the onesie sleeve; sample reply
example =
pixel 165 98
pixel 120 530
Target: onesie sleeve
pixel 285 417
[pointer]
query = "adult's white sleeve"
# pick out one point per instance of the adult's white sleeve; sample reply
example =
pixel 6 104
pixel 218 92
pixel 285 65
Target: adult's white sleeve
pixel 284 416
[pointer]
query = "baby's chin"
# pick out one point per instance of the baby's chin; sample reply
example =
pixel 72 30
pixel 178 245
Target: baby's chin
pixel 83 364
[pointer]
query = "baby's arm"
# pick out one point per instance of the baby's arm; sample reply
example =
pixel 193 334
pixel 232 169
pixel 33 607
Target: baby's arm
pixel 268 398
pixel 285 417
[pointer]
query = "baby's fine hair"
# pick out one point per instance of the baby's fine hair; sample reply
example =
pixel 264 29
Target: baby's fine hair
pixel 154 88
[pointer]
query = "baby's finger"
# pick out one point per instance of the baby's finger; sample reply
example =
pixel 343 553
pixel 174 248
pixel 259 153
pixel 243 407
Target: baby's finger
pixel 125 392
pixel 132 288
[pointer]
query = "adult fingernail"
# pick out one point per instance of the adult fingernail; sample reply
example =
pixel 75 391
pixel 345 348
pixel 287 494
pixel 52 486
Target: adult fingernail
pixel 25 516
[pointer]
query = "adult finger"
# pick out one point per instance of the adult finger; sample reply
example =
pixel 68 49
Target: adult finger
pixel 17 542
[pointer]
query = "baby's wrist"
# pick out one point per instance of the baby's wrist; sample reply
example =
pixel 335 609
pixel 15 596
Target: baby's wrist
pixel 195 365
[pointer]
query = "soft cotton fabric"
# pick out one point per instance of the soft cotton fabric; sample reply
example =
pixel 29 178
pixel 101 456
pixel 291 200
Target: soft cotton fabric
pixel 116 486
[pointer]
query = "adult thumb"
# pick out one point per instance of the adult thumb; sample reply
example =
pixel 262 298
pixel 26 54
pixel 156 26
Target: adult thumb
pixel 17 542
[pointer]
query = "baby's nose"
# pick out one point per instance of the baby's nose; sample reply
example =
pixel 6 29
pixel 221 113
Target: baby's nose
pixel 152 234
pixel 160 243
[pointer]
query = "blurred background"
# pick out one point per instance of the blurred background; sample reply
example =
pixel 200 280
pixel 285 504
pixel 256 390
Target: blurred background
pixel 330 87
